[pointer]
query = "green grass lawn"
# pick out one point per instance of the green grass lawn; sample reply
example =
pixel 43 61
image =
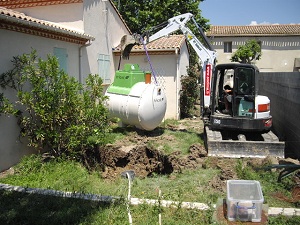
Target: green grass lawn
pixel 63 175
pixel 186 186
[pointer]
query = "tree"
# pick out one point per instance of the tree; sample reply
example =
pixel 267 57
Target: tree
pixel 141 15
pixel 247 53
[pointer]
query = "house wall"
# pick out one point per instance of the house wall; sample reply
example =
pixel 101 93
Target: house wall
pixel 278 53
pixel 183 60
pixel 69 15
pixel 13 44
pixel 102 22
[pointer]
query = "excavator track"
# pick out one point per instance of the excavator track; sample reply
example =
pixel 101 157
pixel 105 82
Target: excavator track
pixel 238 145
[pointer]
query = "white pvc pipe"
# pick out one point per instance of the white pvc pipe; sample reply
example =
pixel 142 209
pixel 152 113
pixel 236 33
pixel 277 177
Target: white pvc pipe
pixel 169 203
pixel 128 198
pixel 103 198
pixel 272 211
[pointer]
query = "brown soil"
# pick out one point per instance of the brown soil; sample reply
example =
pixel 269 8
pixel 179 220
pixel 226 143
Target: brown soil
pixel 145 161
pixel 133 153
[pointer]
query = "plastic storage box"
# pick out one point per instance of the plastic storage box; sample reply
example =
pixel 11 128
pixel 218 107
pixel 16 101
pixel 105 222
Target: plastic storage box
pixel 244 200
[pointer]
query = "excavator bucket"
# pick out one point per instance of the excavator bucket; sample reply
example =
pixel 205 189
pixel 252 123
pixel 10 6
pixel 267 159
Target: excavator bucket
pixel 127 43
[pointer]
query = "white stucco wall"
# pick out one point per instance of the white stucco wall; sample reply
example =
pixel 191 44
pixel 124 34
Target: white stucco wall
pixel 102 22
pixel 278 53
pixel 14 43
pixel 184 60
pixel 97 18
pixel 68 15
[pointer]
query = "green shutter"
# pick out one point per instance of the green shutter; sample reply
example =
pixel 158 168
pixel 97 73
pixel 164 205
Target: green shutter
pixel 62 56
pixel 103 68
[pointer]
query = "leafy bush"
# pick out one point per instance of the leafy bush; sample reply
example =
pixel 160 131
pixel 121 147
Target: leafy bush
pixel 189 93
pixel 6 107
pixel 59 114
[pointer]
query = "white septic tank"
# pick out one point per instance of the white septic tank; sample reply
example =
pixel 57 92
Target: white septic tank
pixel 135 100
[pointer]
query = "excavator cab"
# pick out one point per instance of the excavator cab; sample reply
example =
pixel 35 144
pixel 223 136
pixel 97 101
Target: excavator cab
pixel 234 86
pixel 235 103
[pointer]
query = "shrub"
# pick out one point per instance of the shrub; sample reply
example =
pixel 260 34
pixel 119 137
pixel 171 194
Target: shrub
pixel 59 114
pixel 189 92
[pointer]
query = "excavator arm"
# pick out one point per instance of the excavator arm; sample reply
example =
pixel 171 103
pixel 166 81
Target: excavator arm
pixel 206 54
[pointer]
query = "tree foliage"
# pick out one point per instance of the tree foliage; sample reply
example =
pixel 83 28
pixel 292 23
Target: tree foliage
pixel 59 114
pixel 141 15
pixel 247 53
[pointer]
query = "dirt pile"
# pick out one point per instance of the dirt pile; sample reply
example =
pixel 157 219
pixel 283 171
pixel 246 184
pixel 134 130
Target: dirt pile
pixel 146 161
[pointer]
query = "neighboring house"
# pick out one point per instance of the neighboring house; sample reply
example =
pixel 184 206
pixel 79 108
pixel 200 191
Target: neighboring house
pixel 280 44
pixel 169 58
pixel 81 33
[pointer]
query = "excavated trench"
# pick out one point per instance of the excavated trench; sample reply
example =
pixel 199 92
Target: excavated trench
pixel 145 161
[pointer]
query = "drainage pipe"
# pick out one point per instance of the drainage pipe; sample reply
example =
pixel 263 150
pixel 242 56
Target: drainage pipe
pixel 103 198
pixel 49 192
pixel 80 61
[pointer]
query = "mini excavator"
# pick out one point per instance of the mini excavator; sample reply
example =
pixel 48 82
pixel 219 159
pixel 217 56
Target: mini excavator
pixel 237 123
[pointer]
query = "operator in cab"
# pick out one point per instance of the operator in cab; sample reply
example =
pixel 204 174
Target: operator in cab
pixel 228 97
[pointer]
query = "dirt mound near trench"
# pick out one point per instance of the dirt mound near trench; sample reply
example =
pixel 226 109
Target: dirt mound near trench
pixel 146 161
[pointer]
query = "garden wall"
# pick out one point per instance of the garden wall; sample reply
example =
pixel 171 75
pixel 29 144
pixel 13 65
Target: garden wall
pixel 283 89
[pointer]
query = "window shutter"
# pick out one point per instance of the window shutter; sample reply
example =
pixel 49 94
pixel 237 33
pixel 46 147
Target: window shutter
pixel 103 68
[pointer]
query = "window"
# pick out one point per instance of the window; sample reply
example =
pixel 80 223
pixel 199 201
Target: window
pixel 245 78
pixel 227 47
pixel 103 68
pixel 62 56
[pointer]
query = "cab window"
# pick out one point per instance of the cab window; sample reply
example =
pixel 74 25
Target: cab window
pixel 245 81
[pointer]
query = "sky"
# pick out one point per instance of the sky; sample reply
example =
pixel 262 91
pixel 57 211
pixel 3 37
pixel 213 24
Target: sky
pixel 250 12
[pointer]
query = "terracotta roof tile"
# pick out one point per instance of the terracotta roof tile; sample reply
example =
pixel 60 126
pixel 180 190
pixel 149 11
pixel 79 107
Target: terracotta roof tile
pixel 255 30
pixel 169 43
pixel 11 4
